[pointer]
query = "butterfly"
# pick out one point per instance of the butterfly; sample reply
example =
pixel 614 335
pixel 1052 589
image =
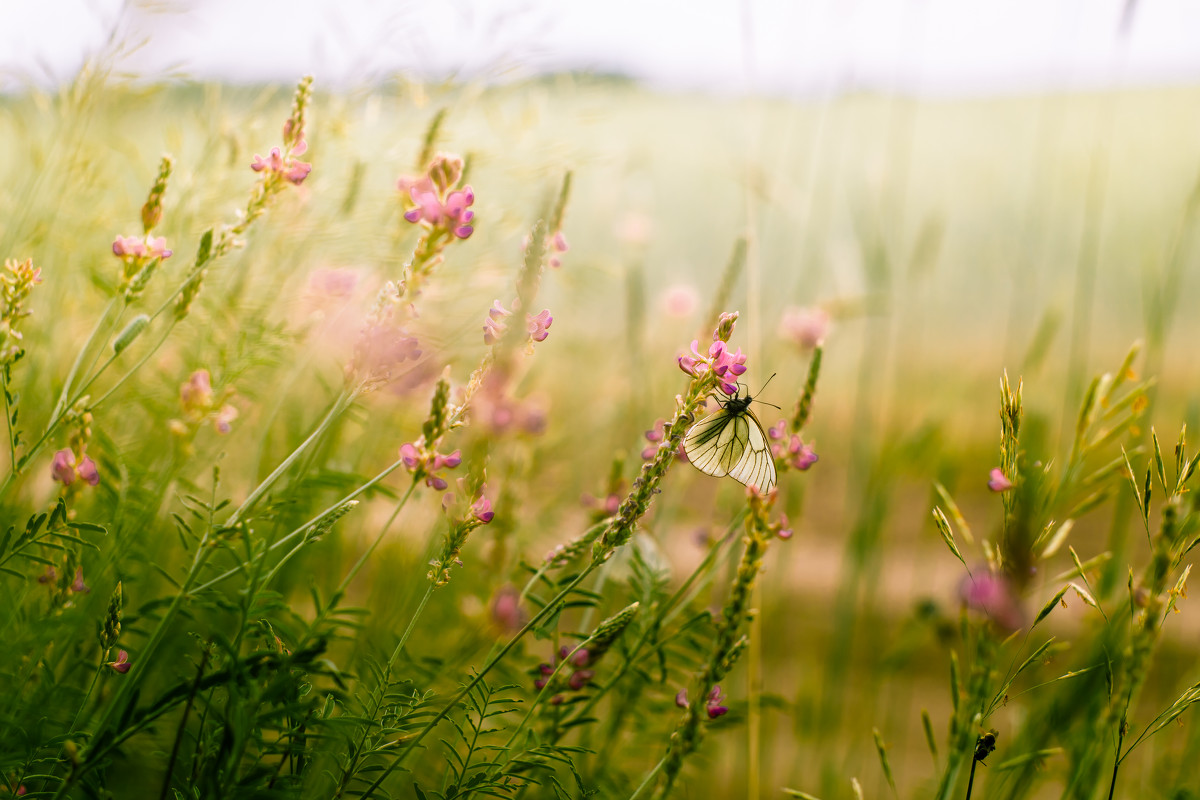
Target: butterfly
pixel 732 442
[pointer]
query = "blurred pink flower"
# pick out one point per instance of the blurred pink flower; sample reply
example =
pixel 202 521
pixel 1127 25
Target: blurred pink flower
pixel 998 482
pixel 798 454
pixel 557 246
pixel 680 300
pixel 428 463
pixel 634 229
pixel 807 327
pixel 993 595
pixel 539 327
pixel 506 609
pixel 78 585
pixel 493 324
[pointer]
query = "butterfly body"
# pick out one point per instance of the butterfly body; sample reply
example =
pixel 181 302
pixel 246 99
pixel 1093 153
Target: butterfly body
pixel 732 442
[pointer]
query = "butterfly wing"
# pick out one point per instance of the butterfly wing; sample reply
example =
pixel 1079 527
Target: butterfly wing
pixel 755 465
pixel 716 444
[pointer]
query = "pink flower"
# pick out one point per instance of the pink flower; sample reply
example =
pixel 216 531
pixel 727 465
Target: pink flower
pixel 410 456
pixel 998 482
pixel 801 455
pixel 223 420
pixel 429 463
pixel 506 609
pixel 287 166
pixel 454 213
pixel 557 246
pixel 129 246
pixel 680 300
pixel 197 393
pixel 122 664
pixel 777 431
pixel 78 585
pixel 725 365
pixel 993 595
pixel 806 327
pixel 63 466
pixel 65 469
pixel 157 247
pixel 481 509
pixel 785 528
pixel 49 576
pixel 493 325
pixel 713 705
pixel 539 327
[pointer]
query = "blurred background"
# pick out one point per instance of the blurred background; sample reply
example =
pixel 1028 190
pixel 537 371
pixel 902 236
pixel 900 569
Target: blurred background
pixel 962 187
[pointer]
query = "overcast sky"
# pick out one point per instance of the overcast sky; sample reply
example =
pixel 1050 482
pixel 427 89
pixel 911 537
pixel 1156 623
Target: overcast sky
pixel 774 46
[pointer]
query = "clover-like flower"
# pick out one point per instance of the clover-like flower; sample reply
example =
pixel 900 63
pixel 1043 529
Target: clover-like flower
pixel 285 165
pixel 420 460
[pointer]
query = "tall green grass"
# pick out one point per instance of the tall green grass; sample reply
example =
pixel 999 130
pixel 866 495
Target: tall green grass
pixel 285 580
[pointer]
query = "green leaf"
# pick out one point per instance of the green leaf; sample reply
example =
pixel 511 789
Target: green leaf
pixel 1158 462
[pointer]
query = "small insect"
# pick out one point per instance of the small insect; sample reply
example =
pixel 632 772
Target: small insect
pixel 732 442
pixel 984 746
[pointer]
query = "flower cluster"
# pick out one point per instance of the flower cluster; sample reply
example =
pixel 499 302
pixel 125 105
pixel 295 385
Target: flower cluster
pixel 462 518
pixel 427 463
pixel 66 468
pixel 284 163
pixel 383 344
pixel 994 596
pixel 16 282
pixel 434 199
pixel 713 704
pixel 726 365
pixel 577 665
pixel 201 404
pixel 654 436
pixel 794 452
pixel 537 327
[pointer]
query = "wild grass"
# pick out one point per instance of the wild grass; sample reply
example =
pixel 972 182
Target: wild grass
pixel 297 511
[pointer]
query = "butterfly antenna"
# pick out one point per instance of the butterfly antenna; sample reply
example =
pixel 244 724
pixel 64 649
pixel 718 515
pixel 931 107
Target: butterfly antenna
pixel 760 391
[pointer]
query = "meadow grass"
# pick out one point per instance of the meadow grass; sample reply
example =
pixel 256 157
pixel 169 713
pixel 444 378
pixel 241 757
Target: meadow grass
pixel 297 511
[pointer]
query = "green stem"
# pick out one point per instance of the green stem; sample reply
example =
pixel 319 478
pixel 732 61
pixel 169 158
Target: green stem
pixel 303 528
pixel 648 780
pixel 479 676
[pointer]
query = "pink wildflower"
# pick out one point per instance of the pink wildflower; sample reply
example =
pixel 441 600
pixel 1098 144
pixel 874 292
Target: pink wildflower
pixel 993 595
pixel 806 327
pixel 506 609
pixel 713 705
pixel 680 300
pixel 428 463
pixel 452 213
pixel 481 509
pixel 799 455
pixel 493 325
pixel 286 166
pixel 122 664
pixel 49 576
pixel 998 481
pixel 726 365
pixel 66 469
pixel 539 327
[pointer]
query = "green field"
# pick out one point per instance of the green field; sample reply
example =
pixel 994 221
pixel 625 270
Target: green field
pixel 949 240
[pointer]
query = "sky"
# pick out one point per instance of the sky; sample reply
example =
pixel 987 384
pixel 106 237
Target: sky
pixel 785 47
